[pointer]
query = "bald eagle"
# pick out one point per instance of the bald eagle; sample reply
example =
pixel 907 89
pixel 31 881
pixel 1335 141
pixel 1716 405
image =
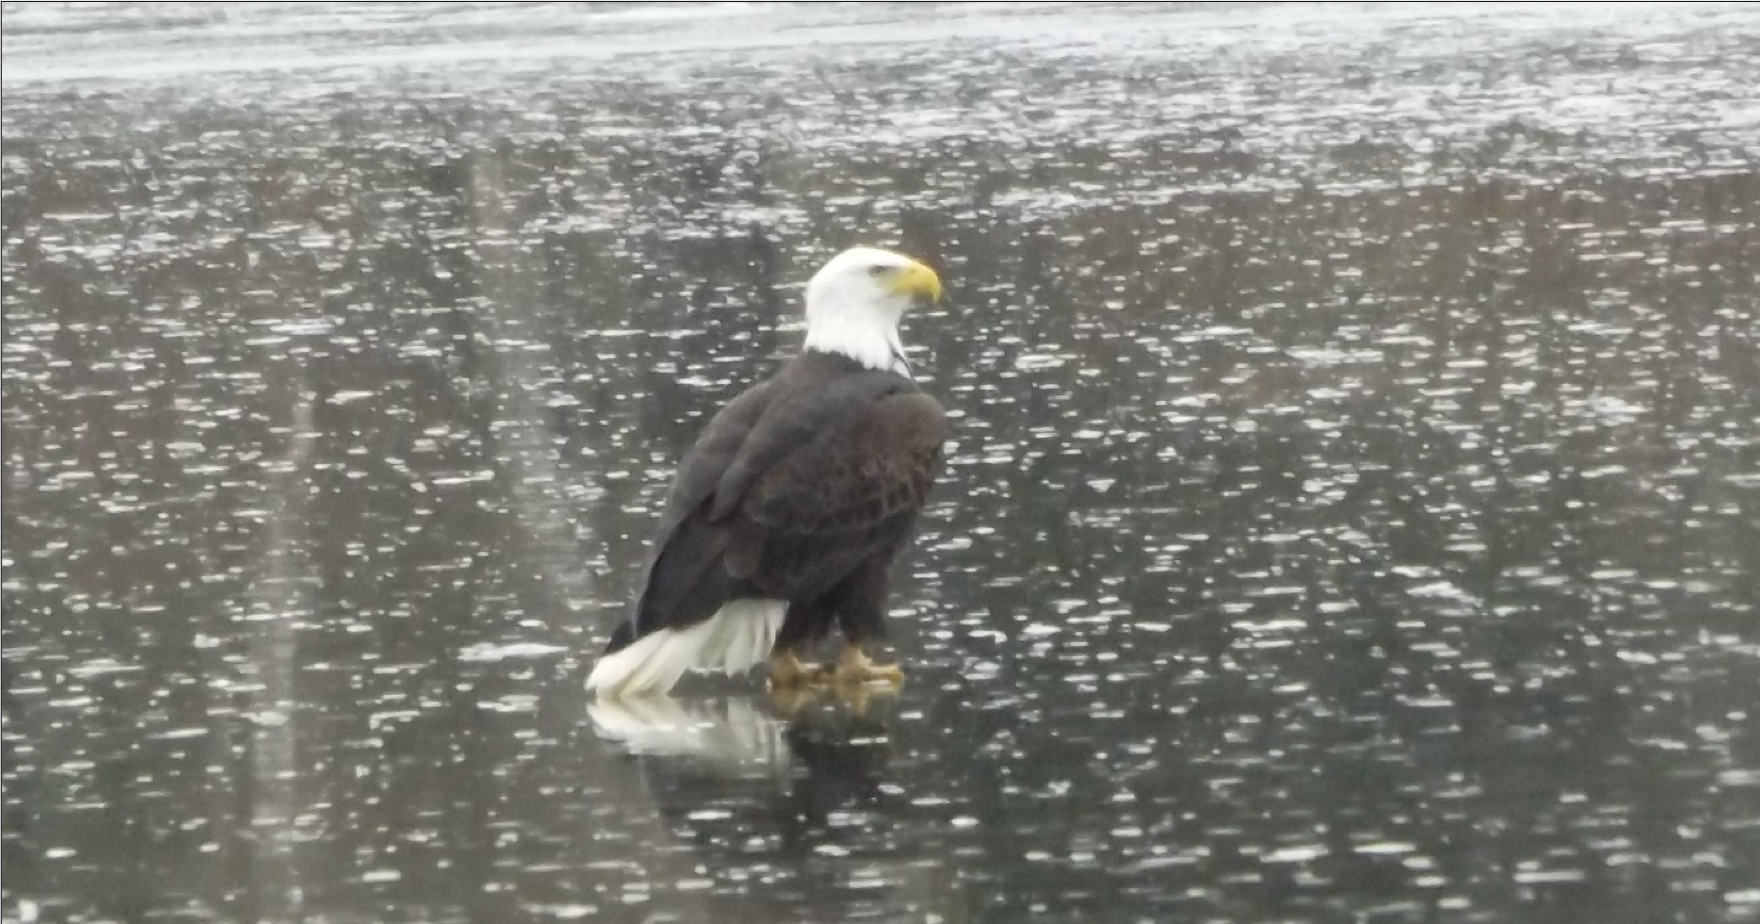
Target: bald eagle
pixel 785 516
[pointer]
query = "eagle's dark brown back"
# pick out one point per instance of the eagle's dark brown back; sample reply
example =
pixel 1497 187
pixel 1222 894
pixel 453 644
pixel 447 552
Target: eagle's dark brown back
pixel 828 459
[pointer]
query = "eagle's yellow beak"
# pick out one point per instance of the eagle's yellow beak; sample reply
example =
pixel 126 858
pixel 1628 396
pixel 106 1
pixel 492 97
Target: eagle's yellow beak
pixel 916 280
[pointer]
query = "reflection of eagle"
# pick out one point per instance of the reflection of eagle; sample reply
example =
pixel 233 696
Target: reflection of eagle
pixel 787 513
pixel 793 812
pixel 762 775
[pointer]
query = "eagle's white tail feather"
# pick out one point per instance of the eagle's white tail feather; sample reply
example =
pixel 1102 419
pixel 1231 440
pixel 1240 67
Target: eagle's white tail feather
pixel 751 627
pixel 738 636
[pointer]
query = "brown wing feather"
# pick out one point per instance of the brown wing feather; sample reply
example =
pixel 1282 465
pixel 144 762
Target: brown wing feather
pixel 873 467
pixel 682 575
pixel 847 459
pixel 826 415
pixel 715 451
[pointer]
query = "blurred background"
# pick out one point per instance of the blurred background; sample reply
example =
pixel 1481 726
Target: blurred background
pixel 1354 515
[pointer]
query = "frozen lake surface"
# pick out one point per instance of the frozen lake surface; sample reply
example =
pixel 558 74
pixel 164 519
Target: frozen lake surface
pixel 1355 514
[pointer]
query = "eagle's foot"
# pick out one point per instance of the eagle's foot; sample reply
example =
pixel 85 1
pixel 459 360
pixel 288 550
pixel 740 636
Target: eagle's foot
pixel 855 668
pixel 860 698
pixel 789 673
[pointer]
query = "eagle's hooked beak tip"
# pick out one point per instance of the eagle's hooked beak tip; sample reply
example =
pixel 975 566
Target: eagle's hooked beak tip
pixel 919 281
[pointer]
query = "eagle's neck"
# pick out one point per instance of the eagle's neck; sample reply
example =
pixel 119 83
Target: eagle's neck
pixel 861 336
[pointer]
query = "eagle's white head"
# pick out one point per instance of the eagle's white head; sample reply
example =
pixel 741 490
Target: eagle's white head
pixel 855 302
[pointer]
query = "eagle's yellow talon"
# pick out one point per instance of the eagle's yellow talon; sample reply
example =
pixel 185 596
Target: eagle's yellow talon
pixel 789 673
pixel 855 668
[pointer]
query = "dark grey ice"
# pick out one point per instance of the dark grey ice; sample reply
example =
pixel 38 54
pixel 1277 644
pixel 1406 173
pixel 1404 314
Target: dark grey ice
pixel 1354 514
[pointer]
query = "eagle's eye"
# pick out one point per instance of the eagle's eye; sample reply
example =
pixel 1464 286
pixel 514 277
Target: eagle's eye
pixel 878 270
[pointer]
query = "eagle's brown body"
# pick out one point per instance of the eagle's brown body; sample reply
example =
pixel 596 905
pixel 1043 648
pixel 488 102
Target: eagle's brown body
pixel 801 491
